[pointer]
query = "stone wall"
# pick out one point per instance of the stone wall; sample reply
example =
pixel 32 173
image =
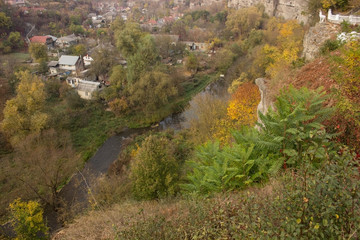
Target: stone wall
pixel 288 9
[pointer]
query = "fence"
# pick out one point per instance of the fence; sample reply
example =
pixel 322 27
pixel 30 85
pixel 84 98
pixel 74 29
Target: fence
pixel 340 18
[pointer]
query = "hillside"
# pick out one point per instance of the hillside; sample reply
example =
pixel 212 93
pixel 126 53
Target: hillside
pixel 180 120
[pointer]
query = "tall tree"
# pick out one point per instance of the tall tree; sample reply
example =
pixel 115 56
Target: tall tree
pixel 44 162
pixel 128 38
pixel 38 51
pixel 24 113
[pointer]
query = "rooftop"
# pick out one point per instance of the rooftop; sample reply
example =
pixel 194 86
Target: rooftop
pixel 68 60
pixel 39 39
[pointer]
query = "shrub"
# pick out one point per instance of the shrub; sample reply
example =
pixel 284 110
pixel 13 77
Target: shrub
pixel 28 220
pixel 155 170
pixel 216 170
pixel 329 46
pixel 321 204
pixel 119 106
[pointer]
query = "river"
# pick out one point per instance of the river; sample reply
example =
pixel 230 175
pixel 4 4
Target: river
pixel 75 195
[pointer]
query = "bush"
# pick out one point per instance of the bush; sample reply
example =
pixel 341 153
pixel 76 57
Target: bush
pixel 216 170
pixel 155 170
pixel 329 46
pixel 28 220
pixel 321 204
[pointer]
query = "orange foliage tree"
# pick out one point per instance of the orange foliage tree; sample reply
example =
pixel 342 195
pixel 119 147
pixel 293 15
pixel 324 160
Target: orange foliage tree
pixel 241 111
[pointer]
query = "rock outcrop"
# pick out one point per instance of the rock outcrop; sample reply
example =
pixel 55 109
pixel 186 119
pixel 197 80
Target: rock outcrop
pixel 265 102
pixel 288 9
pixel 316 37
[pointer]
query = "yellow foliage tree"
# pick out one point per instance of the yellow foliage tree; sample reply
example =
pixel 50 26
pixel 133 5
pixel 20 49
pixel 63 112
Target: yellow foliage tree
pixel 241 111
pixel 24 113
pixel 287 49
pixel 28 221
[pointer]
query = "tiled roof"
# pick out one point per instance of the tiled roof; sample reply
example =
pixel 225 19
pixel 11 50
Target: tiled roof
pixel 38 39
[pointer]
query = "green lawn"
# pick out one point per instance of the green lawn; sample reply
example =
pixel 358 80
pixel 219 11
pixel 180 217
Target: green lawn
pixel 19 57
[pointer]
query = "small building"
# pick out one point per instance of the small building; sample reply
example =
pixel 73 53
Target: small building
pixel 71 63
pixel 197 46
pixel 67 41
pixel 46 40
pixel 53 67
pixel 85 89
pixel 87 60
pixel 16 2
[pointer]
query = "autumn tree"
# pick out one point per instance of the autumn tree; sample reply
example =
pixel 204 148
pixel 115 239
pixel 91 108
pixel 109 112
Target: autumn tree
pixel 286 51
pixel 78 50
pixel 202 116
pixel 152 90
pixel 155 170
pixel 104 60
pixel 44 162
pixel 118 84
pixel 15 40
pixel 241 111
pixel 5 23
pixel 127 39
pixel 192 63
pixel 242 21
pixel 142 60
pixel 38 51
pixel 28 220
pixel 24 113
pixel 334 3
pixel 243 104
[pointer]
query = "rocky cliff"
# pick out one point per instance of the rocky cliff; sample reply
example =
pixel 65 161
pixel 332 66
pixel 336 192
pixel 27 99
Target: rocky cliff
pixel 316 37
pixel 288 9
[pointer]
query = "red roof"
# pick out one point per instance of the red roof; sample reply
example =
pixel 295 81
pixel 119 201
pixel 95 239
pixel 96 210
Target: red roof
pixel 39 39
pixel 152 21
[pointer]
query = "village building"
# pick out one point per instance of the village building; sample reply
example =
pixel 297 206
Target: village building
pixel 87 60
pixel 196 46
pixel 19 3
pixel 85 89
pixel 45 40
pixel 67 41
pixel 53 67
pixel 74 64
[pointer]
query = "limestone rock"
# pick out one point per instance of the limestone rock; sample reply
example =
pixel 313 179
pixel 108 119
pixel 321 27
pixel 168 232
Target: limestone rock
pixel 316 37
pixel 288 9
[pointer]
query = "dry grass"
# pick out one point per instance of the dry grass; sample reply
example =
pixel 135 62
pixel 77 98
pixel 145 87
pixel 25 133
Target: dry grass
pixel 180 214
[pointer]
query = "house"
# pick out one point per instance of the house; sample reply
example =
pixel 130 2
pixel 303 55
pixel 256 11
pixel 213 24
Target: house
pixel 85 89
pixel 67 41
pixel 197 46
pixel 45 40
pixel 15 2
pixel 53 67
pixel 88 60
pixel 172 37
pixel 71 63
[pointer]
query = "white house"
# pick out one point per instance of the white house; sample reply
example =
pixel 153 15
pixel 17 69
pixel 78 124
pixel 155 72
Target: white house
pixel 71 63
pixel 85 89
pixel 87 60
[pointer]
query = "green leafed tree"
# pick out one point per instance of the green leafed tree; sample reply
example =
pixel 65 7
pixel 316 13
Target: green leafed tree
pixel 153 90
pixel 155 171
pixel 143 59
pixel 38 51
pixel 15 40
pixel 5 23
pixel 128 38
